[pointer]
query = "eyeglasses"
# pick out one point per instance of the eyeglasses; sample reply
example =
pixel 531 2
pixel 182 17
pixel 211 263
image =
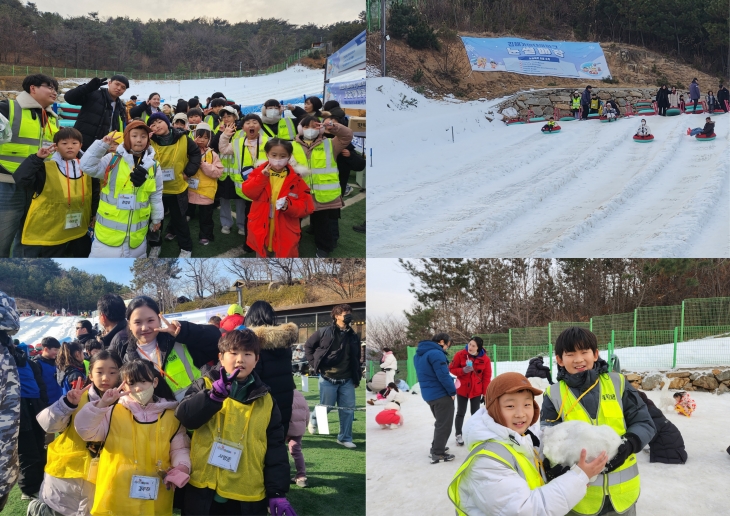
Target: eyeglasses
pixel 49 87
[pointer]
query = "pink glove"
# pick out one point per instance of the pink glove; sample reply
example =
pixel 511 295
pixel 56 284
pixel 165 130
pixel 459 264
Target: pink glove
pixel 177 477
pixel 221 388
pixel 281 507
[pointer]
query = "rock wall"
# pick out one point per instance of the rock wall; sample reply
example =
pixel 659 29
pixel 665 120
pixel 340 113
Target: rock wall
pixel 714 380
pixel 5 95
pixel 544 102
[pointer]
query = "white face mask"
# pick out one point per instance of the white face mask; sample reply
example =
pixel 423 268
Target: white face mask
pixel 278 163
pixel 273 113
pixel 310 134
pixel 143 397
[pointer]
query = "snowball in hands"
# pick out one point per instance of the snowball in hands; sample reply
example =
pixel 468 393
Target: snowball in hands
pixel 562 443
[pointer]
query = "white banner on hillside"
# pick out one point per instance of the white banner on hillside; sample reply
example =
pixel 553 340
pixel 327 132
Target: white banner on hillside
pixel 349 57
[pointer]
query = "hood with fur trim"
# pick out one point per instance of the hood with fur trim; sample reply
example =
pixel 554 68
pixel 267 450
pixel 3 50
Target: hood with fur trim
pixel 273 337
pixel 26 101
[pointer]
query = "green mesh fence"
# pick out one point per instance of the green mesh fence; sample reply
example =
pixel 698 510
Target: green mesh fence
pixel 602 325
pixel 411 378
pixel 714 311
pixel 700 332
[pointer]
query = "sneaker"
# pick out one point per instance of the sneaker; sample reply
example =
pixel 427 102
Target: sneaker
pixel 688 131
pixel 370 402
pixel 446 457
pixel 248 249
pixel 226 230
pixel 204 241
pixel 155 251
pixel 185 254
pixel 169 236
pixel 241 231
pixel 346 444
pixel 26 497
pixel 321 253
pixel 348 190
pixel 301 482
pixel 459 440
pixel 360 228
pixel 312 427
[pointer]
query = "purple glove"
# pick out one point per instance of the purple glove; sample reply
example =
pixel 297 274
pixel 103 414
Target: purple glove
pixel 281 507
pixel 222 386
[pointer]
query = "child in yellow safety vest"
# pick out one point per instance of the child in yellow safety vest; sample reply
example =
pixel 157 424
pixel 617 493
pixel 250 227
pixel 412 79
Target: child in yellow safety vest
pixel 203 185
pixel 587 392
pixel 68 485
pixel 503 473
pixel 60 212
pixel 240 461
pixel 146 450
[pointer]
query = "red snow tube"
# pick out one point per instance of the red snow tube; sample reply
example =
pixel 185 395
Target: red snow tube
pixel 556 129
pixel 643 139
pixel 387 417
pixel 705 137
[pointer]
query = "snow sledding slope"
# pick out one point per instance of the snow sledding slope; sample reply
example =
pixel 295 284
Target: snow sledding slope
pixel 590 191
pixel 33 329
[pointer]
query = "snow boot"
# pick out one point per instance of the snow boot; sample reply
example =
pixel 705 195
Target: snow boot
pixel 459 440
pixel 689 131
pixel 446 457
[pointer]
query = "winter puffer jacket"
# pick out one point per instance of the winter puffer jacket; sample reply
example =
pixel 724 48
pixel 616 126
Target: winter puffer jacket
pixel 97 116
pixel 667 446
pixel 274 365
pixel 317 351
pixel 432 369
pixel 389 362
pixel 231 322
pixel 490 487
pixel 299 415
pixel 474 383
pixel 536 369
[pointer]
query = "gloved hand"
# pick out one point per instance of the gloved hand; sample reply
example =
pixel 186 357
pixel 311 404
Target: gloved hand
pixel 553 472
pixel 177 476
pixel 221 388
pixel 138 175
pixel 632 444
pixel 281 507
pixel 97 83
pixel 281 203
pixel 468 369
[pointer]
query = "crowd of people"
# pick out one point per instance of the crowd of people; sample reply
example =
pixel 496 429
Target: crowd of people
pixel 210 408
pixel 104 187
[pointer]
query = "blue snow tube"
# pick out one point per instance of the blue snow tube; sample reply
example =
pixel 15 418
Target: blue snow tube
pixel 66 123
pixel 673 112
pixel 537 119
pixel 646 112
pixel 640 104
pixel 568 118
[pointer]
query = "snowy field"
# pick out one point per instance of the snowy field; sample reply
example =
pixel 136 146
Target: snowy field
pixel 293 82
pixel 589 191
pixel 33 329
pixel 399 470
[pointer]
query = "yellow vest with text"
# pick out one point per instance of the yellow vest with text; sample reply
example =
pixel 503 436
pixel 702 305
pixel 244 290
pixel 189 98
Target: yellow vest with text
pixel 206 185
pixel 324 178
pixel 285 130
pixel 228 160
pixel 114 225
pixel 173 156
pixel 242 158
pixel 239 426
pixel 576 103
pixel 622 485
pixel 67 454
pixel 46 220
pixel 27 136
pixel 128 441
pixel 502 452
pixel 180 367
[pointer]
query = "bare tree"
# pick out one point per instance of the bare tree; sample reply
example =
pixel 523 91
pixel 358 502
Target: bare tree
pixel 248 270
pixel 203 278
pixel 343 276
pixel 283 268
pixel 388 331
pixel 260 47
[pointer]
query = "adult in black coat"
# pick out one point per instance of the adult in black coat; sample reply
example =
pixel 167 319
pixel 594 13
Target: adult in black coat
pixel 662 100
pixel 275 362
pixel 723 96
pixel 614 105
pixel 667 445
pixel 102 109
pixel 585 101
pixel 536 369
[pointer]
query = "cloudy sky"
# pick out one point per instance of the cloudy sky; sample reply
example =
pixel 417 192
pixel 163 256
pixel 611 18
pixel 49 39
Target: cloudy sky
pixel 321 12
pixel 387 287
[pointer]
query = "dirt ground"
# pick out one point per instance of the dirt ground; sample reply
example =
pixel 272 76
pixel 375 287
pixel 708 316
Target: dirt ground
pixel 643 69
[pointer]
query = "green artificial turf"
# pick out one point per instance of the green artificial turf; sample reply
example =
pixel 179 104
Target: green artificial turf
pixel 336 475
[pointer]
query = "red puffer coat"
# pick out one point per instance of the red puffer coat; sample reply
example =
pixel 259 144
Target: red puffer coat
pixel 231 322
pixel 474 383
pixel 287 231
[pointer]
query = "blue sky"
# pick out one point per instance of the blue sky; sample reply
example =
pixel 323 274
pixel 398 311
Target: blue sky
pixel 113 269
pixel 387 287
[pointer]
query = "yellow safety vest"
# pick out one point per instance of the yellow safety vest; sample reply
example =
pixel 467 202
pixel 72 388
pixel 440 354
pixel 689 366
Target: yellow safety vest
pixel 242 158
pixel 46 220
pixel 324 179
pixel 622 485
pixel 594 104
pixel 234 423
pixel 27 138
pixel 133 448
pixel 176 157
pixel 206 185
pixel 284 131
pixel 180 367
pixel 209 120
pixel 576 103
pixel 114 225
pixel 67 454
pixel 502 452
pixel 228 160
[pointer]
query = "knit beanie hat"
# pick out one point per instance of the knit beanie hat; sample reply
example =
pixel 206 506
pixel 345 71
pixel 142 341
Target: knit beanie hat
pixel 158 116
pixel 180 116
pixel 507 383
pixel 235 309
pixel 135 124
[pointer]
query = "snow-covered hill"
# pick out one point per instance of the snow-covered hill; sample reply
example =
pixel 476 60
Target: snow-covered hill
pixel 589 191
pixel 33 329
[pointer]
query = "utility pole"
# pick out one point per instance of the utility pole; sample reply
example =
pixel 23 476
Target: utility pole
pixel 383 37
pixel 240 63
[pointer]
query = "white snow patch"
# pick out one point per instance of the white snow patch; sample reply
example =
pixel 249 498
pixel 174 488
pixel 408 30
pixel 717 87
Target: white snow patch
pixel 562 443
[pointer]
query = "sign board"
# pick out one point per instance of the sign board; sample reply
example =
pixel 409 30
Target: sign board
pixel 577 60
pixel 350 57
pixel 349 94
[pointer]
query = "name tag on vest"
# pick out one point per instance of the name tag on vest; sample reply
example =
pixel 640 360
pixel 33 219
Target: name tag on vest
pixel 144 488
pixel 73 220
pixel 193 183
pixel 168 174
pixel 125 201
pixel 225 456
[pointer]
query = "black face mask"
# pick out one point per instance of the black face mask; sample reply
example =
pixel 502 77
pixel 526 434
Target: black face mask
pixel 347 319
